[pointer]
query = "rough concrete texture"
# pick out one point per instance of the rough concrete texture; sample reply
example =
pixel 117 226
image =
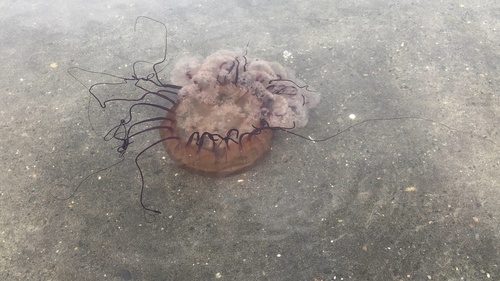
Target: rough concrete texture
pixel 388 200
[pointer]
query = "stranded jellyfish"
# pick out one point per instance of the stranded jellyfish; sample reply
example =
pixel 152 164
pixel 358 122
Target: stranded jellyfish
pixel 216 117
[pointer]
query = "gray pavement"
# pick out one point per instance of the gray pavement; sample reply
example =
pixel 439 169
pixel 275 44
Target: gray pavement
pixel 404 199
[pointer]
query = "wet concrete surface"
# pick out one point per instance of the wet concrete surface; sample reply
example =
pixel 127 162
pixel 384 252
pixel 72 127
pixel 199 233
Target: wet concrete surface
pixel 407 199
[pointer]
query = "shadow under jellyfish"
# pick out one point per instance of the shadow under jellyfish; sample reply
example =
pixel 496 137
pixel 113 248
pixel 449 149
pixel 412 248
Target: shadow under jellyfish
pixel 217 117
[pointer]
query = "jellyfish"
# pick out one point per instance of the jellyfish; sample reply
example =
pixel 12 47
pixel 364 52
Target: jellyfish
pixel 217 115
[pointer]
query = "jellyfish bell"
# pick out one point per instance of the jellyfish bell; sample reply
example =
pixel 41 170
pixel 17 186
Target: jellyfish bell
pixel 227 111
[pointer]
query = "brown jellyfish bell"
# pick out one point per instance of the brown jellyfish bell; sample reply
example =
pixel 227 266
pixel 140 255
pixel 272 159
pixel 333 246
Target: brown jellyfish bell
pixel 227 111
